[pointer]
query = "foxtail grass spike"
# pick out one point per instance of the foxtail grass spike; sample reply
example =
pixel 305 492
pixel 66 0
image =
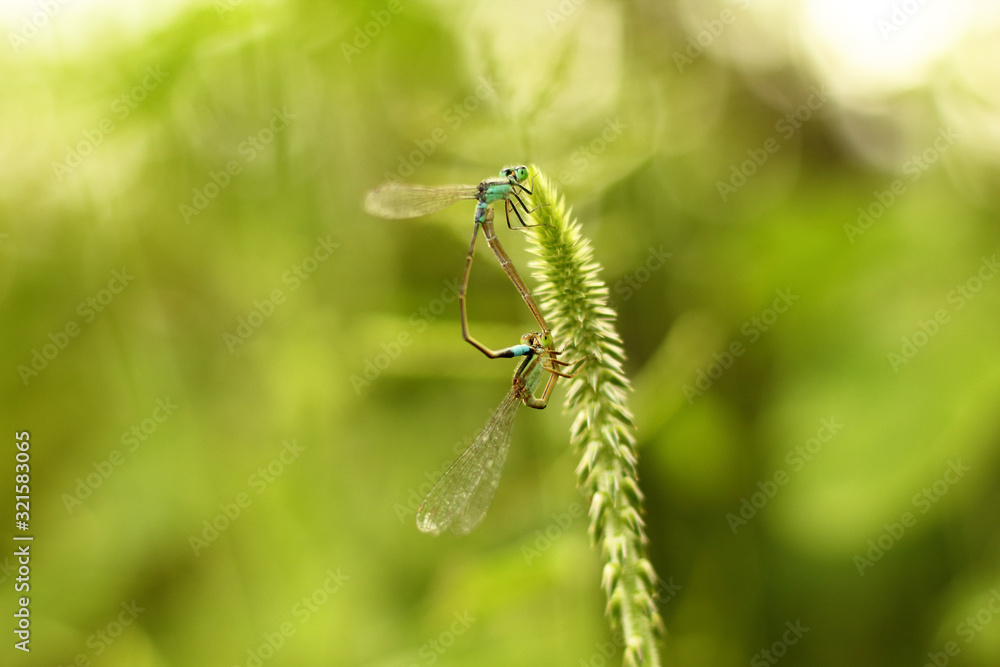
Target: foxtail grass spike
pixel 575 303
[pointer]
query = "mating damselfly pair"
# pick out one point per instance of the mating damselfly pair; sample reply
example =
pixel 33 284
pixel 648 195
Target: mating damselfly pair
pixel 460 499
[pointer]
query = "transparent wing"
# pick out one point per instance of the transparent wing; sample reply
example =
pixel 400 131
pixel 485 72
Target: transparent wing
pixel 396 200
pixel 461 497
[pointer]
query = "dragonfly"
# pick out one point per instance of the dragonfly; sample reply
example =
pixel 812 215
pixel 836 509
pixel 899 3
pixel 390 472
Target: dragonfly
pixel 395 201
pixel 460 499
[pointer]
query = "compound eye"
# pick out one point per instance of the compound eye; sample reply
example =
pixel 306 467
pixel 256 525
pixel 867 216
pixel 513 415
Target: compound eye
pixel 522 173
pixel 506 172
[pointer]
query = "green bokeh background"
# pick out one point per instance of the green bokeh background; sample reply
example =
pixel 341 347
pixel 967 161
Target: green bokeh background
pixel 638 136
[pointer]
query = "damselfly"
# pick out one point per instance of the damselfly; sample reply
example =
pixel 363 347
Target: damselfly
pixel 397 201
pixel 460 499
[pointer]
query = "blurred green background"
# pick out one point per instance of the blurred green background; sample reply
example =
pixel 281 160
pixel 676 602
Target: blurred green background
pixel 238 386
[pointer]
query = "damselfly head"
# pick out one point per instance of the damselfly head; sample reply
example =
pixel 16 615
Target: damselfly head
pixel 535 341
pixel 519 173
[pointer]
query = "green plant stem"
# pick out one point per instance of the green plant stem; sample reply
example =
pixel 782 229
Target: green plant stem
pixel 574 300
